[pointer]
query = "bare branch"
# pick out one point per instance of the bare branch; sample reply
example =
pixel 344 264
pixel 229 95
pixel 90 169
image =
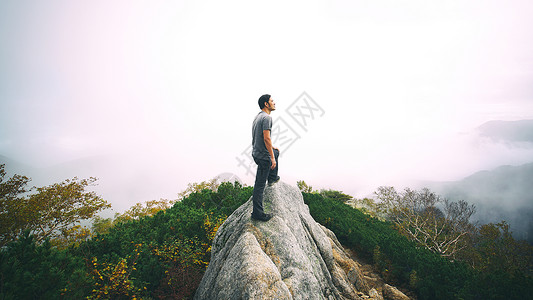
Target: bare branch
pixel 418 216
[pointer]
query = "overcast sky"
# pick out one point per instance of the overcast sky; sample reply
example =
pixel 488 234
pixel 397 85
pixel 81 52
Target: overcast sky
pixel 166 91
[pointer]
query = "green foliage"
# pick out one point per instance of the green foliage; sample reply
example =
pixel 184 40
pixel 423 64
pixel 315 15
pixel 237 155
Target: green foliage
pixel 51 212
pixel 112 281
pixel 29 270
pixel 163 253
pixel 336 195
pixel 500 252
pixel 149 208
pixel 432 222
pixel 404 263
pixel 101 225
pixel 57 207
pixel 304 188
pixel 448 232
pixel 185 263
pixel 173 242
pixel 72 236
pixel 413 280
pixel 367 206
pixel 159 253
pixel 13 219
pixel 198 187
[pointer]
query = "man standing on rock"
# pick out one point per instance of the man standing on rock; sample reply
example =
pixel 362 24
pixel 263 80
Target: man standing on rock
pixel 264 154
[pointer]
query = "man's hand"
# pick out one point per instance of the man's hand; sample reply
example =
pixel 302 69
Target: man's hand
pixel 273 160
pixel 273 164
pixel 268 145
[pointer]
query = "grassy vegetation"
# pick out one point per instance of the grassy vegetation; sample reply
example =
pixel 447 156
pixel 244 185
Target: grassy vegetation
pixel 405 263
pixel 164 255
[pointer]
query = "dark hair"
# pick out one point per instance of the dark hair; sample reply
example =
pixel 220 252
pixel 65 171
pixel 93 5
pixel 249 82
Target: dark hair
pixel 262 100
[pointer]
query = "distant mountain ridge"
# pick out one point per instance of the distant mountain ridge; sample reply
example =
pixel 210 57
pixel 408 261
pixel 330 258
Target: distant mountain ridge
pixel 504 193
pixel 508 131
pixel 14 167
pixel 510 182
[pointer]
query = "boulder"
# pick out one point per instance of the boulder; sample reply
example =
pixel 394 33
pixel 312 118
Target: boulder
pixel 288 257
pixel 374 295
pixel 392 293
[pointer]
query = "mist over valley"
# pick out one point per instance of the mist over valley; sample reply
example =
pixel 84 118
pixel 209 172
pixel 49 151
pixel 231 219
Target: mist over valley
pixel 499 193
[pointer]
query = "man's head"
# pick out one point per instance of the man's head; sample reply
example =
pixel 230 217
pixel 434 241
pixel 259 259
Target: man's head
pixel 266 101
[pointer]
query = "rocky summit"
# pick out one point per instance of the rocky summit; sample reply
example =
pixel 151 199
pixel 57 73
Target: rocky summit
pixel 288 257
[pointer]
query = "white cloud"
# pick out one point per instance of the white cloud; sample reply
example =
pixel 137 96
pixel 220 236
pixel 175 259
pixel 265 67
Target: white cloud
pixel 173 85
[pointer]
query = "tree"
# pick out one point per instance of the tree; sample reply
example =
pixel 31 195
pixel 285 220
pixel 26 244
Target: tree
pixel 50 212
pixel 433 222
pixel 336 195
pixel 101 225
pixel 12 219
pixel 58 207
pixel 138 210
pixel 31 270
pixel 72 236
pixel 500 251
pixel 367 206
pixel 198 187
pixel 304 188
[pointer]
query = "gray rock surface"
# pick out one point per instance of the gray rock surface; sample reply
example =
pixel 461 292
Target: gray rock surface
pixel 375 295
pixel 392 293
pixel 289 257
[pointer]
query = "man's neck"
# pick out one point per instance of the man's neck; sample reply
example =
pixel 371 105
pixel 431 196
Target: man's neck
pixel 267 110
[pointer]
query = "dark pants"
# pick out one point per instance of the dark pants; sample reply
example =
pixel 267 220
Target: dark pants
pixel 263 174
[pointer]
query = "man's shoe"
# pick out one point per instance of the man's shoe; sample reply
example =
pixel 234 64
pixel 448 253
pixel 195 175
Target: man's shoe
pixel 264 217
pixel 272 183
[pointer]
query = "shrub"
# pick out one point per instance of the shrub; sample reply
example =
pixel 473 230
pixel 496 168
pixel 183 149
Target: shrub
pixel 29 270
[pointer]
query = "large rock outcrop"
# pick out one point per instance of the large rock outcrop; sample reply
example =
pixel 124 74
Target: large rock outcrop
pixel 289 257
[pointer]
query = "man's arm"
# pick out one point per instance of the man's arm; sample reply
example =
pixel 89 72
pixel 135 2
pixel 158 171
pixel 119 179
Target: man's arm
pixel 268 144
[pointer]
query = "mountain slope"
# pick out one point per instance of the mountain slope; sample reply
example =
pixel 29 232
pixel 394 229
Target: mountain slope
pixel 508 131
pixel 504 193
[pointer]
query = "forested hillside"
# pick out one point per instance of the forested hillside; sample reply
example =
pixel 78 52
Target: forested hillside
pixel 163 254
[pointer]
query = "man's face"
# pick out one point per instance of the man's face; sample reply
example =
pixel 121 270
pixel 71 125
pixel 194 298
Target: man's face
pixel 271 104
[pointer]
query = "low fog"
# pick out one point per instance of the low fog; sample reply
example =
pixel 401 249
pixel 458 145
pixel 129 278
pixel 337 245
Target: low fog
pixel 149 98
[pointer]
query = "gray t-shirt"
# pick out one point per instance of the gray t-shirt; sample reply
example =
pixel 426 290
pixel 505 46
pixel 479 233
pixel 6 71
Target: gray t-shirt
pixel 261 122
